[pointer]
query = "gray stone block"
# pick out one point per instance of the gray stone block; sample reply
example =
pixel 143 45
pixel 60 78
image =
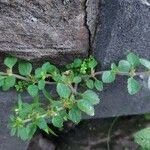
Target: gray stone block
pixel 40 30
pixel 124 26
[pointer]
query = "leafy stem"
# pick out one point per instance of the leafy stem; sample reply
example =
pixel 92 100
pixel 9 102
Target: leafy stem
pixel 68 103
pixel 30 119
pixel 87 76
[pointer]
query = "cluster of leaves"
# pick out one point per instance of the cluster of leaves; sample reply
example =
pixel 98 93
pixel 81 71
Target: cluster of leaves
pixel 125 67
pixel 67 105
pixel 70 102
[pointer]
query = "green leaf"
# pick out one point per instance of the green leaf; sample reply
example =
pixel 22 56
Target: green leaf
pixel 41 84
pixel 33 90
pixel 90 84
pixel 114 67
pixel 77 79
pixel 2 79
pixel 133 59
pixel 63 114
pixel 145 63
pixel 67 78
pixel 63 90
pixel 92 63
pixel 57 121
pixel 13 131
pixel 39 73
pixel 108 77
pixel 133 86
pixel 22 133
pixel 56 77
pixel 10 62
pixel 91 96
pixel 1 83
pixel 98 85
pixel 147 116
pixel 142 137
pixel 25 68
pixel 86 107
pixel 41 123
pixel 25 111
pixel 77 63
pixel 31 129
pixel 9 82
pixel 57 105
pixel 75 115
pixel 51 69
pixel 124 66
pixel 46 67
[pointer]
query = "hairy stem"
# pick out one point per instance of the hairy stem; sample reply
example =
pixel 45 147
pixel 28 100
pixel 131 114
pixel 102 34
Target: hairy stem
pixel 45 115
pixel 24 78
pixel 123 73
pixel 29 119
pixel 84 76
pixel 16 75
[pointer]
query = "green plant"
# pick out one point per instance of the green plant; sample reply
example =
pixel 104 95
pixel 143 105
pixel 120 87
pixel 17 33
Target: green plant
pixel 70 101
pixel 142 137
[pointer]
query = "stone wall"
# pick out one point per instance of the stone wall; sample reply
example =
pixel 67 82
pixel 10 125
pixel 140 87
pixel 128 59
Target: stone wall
pixel 60 30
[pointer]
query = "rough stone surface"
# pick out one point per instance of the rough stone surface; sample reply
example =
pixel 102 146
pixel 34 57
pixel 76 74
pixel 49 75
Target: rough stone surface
pixel 124 27
pixel 92 10
pixel 40 142
pixel 48 29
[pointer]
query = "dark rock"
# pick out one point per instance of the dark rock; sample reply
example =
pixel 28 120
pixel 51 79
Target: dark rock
pixel 93 134
pixel 39 142
pixel 36 30
pixel 124 27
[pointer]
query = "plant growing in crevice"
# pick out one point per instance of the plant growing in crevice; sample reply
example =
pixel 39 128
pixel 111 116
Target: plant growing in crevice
pixel 69 101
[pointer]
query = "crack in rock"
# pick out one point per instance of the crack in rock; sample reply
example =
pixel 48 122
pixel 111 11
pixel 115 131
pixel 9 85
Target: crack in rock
pixel 92 9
